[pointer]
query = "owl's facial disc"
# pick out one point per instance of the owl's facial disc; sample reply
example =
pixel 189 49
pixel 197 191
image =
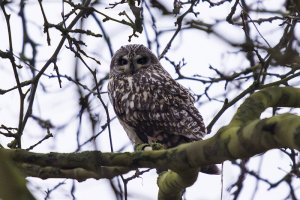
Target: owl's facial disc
pixel 132 65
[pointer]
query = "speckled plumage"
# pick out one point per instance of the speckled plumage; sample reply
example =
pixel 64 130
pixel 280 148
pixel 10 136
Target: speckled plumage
pixel 150 105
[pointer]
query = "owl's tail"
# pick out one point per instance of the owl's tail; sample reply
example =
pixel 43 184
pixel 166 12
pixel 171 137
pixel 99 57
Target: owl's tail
pixel 211 169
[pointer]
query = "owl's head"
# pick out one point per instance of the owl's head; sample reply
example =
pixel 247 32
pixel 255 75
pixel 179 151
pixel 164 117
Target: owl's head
pixel 130 59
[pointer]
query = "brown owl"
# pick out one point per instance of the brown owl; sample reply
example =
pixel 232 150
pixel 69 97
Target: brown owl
pixel 149 103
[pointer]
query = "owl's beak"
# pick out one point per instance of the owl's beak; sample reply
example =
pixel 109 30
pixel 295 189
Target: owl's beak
pixel 132 68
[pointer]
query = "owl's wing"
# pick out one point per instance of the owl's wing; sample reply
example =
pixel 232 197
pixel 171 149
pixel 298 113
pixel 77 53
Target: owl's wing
pixel 178 105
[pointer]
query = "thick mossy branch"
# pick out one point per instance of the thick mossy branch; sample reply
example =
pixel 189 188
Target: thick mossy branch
pixel 254 105
pixel 255 137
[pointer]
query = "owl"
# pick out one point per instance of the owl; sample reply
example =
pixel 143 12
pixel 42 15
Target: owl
pixel 150 105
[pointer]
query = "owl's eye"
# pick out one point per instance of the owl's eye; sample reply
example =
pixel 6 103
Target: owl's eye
pixel 143 60
pixel 122 61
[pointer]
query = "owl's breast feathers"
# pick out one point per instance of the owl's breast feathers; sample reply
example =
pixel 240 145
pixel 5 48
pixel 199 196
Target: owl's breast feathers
pixel 152 107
